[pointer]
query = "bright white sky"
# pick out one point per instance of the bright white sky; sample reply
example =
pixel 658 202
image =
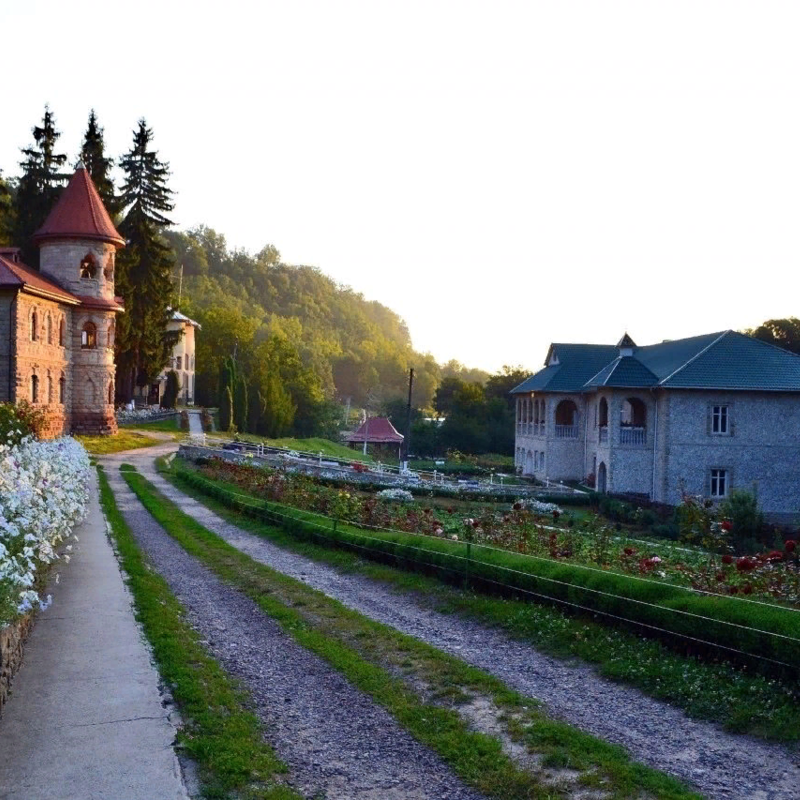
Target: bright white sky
pixel 502 174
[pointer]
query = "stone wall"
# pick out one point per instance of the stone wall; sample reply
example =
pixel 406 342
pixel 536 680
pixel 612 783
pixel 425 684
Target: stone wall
pixel 61 261
pixel 12 640
pixel 761 452
pixel 41 338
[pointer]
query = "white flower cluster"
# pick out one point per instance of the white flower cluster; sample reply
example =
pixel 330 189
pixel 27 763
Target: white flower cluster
pixel 395 494
pixel 43 493
pixel 538 507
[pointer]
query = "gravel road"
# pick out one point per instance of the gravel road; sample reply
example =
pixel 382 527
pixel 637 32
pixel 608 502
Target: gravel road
pixel 337 742
pixel 720 764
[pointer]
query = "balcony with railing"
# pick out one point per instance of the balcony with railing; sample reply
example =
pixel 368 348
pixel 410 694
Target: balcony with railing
pixel 566 431
pixel 632 435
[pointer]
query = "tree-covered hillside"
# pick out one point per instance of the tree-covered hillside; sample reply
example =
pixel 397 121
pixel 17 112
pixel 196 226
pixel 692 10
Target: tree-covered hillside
pixel 357 349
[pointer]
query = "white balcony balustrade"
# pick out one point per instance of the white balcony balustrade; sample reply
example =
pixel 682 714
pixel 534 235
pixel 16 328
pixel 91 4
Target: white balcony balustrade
pixel 566 431
pixel 629 435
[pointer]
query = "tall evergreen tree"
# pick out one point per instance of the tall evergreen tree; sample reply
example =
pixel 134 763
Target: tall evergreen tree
pixel 41 183
pixel 98 164
pixel 144 268
pixel 6 213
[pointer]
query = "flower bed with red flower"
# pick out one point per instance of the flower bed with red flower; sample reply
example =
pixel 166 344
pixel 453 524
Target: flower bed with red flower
pixel 543 530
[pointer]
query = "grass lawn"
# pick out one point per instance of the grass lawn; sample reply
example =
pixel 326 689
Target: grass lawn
pixel 169 425
pixel 124 440
pixel 313 445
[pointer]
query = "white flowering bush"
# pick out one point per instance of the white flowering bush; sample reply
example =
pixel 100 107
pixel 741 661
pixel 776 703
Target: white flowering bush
pixel 538 507
pixel 43 493
pixel 395 494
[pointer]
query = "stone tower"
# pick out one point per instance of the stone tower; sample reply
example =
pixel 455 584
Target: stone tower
pixel 77 248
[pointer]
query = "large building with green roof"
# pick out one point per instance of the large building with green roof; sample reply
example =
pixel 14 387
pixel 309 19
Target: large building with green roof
pixel 704 415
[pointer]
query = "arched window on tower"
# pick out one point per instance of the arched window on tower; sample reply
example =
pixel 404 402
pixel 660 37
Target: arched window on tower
pixel 88 266
pixel 34 326
pixel 34 388
pixel 62 390
pixel 61 332
pixel 109 268
pixel 88 336
pixel 111 393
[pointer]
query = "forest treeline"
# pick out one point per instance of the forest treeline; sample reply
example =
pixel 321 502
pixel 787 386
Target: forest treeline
pixel 301 348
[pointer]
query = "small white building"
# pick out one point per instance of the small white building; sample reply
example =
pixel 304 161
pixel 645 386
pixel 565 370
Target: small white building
pixel 182 361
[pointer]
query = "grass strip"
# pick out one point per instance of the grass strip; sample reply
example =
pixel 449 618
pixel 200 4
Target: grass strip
pixel 720 692
pixel 370 655
pixel 220 734
pixel 124 440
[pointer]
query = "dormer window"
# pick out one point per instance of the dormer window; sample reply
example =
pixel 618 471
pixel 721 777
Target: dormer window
pixel 88 336
pixel 88 266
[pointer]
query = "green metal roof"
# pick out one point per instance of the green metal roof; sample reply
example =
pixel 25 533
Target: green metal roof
pixel 577 363
pixel 724 360
pixel 624 371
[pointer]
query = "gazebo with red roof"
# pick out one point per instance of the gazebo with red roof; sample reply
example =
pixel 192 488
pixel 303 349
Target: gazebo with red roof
pixel 379 433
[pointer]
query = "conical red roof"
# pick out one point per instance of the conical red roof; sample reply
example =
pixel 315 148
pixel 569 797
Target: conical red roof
pixel 79 214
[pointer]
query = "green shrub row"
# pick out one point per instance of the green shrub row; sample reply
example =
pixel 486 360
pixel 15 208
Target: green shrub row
pixel 758 632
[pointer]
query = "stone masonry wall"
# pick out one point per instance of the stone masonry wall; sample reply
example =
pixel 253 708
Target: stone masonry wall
pixel 761 452
pixel 43 357
pixel 12 640
pixel 61 261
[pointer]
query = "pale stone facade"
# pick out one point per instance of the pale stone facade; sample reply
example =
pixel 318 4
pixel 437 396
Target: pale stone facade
pixel 661 440
pixel 182 361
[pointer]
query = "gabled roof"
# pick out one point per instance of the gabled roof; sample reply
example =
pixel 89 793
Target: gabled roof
pixel 723 360
pixel 15 275
pixel 79 214
pixel 576 364
pixel 377 430
pixel 623 371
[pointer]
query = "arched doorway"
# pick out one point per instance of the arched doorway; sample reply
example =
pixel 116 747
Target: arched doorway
pixel 601 477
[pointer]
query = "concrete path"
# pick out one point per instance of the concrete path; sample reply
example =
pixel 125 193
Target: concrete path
pixel 195 423
pixel 85 719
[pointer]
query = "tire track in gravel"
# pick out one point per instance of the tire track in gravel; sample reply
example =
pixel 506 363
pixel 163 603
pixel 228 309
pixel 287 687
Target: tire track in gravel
pixel 720 764
pixel 337 742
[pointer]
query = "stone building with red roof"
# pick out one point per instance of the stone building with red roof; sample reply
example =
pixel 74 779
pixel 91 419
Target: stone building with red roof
pixel 57 324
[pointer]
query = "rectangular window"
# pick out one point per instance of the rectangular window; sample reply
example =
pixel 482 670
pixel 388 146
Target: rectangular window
pixel 719 483
pixel 719 419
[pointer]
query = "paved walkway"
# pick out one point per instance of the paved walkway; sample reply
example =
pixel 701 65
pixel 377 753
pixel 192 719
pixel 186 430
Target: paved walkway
pixel 195 423
pixel 85 719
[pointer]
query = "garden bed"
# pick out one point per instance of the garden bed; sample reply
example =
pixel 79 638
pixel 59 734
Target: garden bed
pixel 731 625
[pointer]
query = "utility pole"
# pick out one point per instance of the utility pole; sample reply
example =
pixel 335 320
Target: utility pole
pixel 366 429
pixel 407 439
pixel 180 287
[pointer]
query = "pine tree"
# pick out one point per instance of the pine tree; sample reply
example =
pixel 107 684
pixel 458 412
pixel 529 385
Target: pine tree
pixel 40 184
pixel 144 268
pixel 98 164
pixel 6 213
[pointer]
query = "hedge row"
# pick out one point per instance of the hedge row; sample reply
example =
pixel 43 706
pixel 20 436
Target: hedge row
pixel 754 630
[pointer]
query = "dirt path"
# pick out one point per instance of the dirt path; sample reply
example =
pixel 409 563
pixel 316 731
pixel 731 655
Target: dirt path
pixel 337 742
pixel 720 764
